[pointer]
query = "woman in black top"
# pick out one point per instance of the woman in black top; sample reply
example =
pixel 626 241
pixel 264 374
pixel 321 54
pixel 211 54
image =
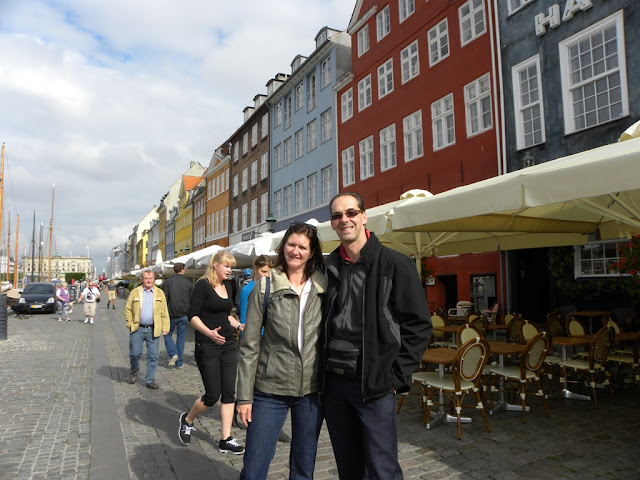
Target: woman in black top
pixel 215 351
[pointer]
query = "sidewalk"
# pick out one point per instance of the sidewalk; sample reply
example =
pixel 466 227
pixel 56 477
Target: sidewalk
pixel 67 412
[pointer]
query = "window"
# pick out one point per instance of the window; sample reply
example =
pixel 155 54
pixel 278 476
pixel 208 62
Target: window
pixel 216 186
pixel 383 23
pixel 325 69
pixel 348 167
pixel 264 165
pixel 364 93
pixel 327 184
pixel 477 101
pixel 234 219
pixel 287 201
pixel 209 225
pixel 287 151
pixel 278 114
pixel 245 179
pixel 299 196
pixel 593 72
pixel 527 100
pixel 312 135
pixel 264 206
pixel 363 40
pixel 327 125
pixel 209 185
pixel 312 190
pixel 442 123
pixel 254 211
pixel 515 5
pixel 388 148
pixel 472 23
pixel 235 185
pixel 311 101
pixel 366 158
pixel 410 62
pixel 406 7
pixel 254 135
pixel 299 143
pixel 226 219
pixel 245 143
pixel 595 259
pixel 299 96
pixel 218 219
pixel 277 157
pixel 346 102
pixel 277 203
pixel 264 127
pixel 438 42
pixel 385 78
pixel 412 128
pixel 254 173
pixel 287 112
pixel 245 216
pixel 236 152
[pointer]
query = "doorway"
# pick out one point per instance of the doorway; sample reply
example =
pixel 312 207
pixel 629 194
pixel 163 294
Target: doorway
pixel 450 283
pixel 483 291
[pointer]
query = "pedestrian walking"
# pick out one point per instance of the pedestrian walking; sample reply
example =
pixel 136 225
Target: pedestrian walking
pixel 147 317
pixel 62 299
pixel 377 326
pixel 279 371
pixel 91 296
pixel 178 290
pixel 215 350
pixel 112 294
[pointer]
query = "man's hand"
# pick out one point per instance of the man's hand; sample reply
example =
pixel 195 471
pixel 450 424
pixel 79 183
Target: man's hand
pixel 245 413
pixel 165 332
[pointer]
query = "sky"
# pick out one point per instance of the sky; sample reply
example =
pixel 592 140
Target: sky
pixel 103 105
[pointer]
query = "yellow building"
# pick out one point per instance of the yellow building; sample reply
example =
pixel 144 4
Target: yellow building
pixel 183 222
pixel 39 271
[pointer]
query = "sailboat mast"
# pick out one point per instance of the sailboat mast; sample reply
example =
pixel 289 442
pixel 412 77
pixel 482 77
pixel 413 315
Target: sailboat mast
pixel 53 190
pixel 8 245
pixel 1 187
pixel 15 255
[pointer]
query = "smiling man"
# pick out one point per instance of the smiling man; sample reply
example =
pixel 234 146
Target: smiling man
pixel 377 326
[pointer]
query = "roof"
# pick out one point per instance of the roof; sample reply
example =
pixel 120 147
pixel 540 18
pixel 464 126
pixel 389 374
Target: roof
pixel 190 182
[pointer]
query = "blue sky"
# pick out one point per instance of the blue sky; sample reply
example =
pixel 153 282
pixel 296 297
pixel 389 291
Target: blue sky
pixel 110 101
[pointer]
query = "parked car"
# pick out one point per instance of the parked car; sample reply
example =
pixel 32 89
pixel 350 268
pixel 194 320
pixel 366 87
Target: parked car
pixel 37 297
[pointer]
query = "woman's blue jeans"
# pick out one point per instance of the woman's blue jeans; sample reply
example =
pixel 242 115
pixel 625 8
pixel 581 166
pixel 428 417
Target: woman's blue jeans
pixel 268 415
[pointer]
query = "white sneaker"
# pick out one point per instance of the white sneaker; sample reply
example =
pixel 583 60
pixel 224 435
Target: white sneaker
pixel 86 320
pixel 91 321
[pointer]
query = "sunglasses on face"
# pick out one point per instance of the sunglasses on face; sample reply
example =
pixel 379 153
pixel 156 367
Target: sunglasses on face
pixel 296 222
pixel 351 213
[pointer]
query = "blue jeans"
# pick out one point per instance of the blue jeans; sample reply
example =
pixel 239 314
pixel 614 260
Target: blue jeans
pixel 136 340
pixel 268 415
pixel 179 324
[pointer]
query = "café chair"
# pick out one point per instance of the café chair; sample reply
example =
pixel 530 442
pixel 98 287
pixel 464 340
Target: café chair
pixel 554 327
pixel 513 329
pixel 574 327
pixel 492 314
pixel 466 373
pixel 628 361
pixel 438 337
pixel 462 307
pixel 472 315
pixel 595 364
pixel 481 324
pixel 554 313
pixel 519 377
pixel 442 313
pixel 527 331
pixel 508 317
pixel 465 333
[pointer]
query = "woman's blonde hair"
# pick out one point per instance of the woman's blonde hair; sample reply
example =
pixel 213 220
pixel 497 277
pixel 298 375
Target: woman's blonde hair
pixel 221 258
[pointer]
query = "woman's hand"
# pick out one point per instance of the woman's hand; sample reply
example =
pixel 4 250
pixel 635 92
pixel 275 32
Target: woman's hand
pixel 245 413
pixel 216 337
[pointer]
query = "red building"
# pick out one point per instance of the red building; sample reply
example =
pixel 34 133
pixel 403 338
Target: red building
pixel 420 111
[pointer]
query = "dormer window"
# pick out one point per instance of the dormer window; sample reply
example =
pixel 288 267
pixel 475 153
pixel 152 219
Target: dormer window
pixel 322 37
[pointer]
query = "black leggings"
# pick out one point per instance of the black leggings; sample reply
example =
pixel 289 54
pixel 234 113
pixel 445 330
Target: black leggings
pixel 218 365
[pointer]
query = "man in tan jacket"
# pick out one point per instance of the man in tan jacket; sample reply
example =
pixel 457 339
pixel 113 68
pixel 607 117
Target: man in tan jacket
pixel 147 318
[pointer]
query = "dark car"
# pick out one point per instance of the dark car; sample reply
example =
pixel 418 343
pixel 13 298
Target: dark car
pixel 37 297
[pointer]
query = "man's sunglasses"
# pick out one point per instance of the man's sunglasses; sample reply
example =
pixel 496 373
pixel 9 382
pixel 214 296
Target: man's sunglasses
pixel 351 213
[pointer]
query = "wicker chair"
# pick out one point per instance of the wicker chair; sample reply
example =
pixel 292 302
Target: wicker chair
pixel 554 327
pixel 466 372
pixel 466 333
pixel 595 364
pixel 527 331
pixel 481 324
pixel 438 321
pixel 574 326
pixel 472 315
pixel 520 376
pixel 628 361
pixel 513 329
pixel 508 317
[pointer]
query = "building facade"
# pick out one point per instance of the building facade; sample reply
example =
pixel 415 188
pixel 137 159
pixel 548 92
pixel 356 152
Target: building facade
pixel 37 269
pixel 198 206
pixel 217 197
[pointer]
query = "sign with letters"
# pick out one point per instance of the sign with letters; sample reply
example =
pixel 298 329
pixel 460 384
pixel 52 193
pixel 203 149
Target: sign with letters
pixel 553 19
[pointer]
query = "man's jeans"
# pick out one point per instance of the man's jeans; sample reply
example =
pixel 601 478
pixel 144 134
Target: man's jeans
pixel 179 324
pixel 268 415
pixel 136 339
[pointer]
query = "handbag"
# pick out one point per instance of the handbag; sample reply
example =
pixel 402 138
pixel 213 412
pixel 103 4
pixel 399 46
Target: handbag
pixel 343 358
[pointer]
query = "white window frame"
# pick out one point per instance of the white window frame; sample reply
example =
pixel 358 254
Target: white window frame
pixel 245 179
pixel 385 78
pixel 468 19
pixel 364 93
pixel 363 40
pixel 277 157
pixel 388 154
pixel 474 102
pixel 365 150
pixel 287 151
pixel 524 104
pixel 569 82
pixel 254 211
pixel 254 135
pixel 348 166
pixel 346 104
pixel 264 206
pixel 413 137
pixel 327 126
pixel 299 90
pixel 235 185
pixel 234 219
pixel 264 165
pixel 245 143
pixel 254 173
pixel 264 127
pixel 406 8
pixel 595 258
pixel 299 143
pixel 327 184
pixel 438 39
pixel 287 111
pixel 410 62
pixel 236 151
pixel 383 23
pixel 278 114
pixel 277 203
pixel 244 220
pixel 311 94
pixel 325 69
pixel 299 196
pixel 514 5
pixel 443 122
pixel 287 201
pixel 312 135
pixel 312 190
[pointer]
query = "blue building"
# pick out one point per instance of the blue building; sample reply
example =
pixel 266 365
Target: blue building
pixel 303 132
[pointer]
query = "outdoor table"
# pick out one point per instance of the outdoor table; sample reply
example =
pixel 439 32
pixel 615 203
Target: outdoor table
pixel 590 315
pixel 494 327
pixel 501 349
pixel 565 342
pixel 441 356
pixel 452 329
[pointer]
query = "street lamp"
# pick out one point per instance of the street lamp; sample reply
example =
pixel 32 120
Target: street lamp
pixel 271 221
